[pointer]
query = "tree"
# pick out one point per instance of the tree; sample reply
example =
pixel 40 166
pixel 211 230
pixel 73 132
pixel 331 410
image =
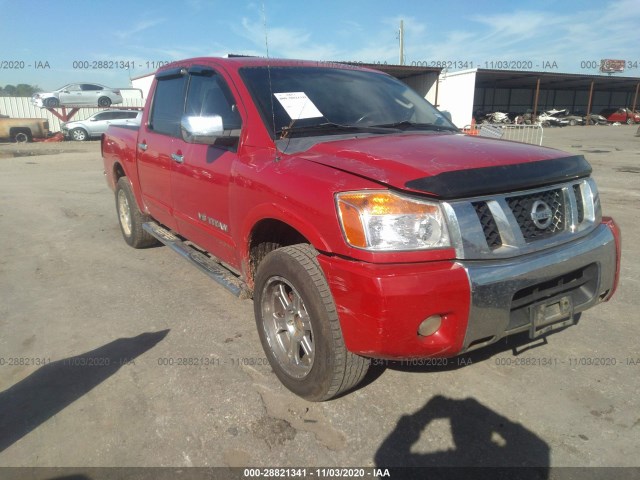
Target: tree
pixel 20 90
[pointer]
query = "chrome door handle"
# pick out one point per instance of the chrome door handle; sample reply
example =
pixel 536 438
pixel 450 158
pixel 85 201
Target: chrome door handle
pixel 142 146
pixel 177 158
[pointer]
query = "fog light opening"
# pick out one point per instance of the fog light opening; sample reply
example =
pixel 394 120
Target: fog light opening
pixel 430 325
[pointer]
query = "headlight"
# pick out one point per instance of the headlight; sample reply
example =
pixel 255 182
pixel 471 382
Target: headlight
pixel 383 220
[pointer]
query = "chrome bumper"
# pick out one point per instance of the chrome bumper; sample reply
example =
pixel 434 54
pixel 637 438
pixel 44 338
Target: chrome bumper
pixel 503 292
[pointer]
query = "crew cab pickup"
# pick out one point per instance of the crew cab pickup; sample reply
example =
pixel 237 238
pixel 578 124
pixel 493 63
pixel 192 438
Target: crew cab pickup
pixel 359 219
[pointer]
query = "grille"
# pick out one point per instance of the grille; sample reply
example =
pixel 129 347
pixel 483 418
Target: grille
pixel 522 206
pixel 579 202
pixel 489 226
pixel 516 223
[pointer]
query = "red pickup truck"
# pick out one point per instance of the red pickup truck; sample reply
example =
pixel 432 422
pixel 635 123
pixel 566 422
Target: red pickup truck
pixel 622 115
pixel 359 219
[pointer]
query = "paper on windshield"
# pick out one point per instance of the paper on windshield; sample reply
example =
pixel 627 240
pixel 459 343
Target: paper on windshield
pixel 297 105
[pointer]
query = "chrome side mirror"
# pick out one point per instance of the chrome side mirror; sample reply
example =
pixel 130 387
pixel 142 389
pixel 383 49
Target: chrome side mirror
pixel 205 130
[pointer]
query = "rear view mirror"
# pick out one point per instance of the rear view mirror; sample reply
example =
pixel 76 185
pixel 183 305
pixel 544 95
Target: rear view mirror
pixel 201 129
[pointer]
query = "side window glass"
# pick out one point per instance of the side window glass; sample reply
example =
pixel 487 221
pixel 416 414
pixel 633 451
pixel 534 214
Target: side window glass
pixel 168 106
pixel 209 95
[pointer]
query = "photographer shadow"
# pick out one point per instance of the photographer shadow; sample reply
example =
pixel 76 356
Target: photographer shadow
pixel 484 442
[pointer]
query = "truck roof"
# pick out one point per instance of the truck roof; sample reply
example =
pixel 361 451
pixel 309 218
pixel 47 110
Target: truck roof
pixel 236 63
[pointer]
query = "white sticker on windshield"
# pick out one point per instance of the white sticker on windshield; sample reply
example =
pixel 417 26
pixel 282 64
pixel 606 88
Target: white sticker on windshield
pixel 298 105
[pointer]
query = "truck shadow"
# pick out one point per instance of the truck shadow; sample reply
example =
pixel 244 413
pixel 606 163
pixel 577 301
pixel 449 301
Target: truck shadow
pixel 32 401
pixel 485 443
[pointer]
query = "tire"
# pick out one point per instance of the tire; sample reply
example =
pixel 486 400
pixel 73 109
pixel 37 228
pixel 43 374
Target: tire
pixel 52 102
pixel 104 102
pixel 573 122
pixel 131 218
pixel 79 134
pixel 299 328
pixel 22 137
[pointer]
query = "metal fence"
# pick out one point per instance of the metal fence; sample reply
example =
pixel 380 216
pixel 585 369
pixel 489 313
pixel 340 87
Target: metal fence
pixel 532 134
pixel 21 107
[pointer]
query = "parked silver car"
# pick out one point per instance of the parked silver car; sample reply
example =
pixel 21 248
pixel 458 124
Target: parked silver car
pixel 97 124
pixel 78 94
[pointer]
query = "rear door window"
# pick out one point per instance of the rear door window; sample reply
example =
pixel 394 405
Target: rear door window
pixel 168 105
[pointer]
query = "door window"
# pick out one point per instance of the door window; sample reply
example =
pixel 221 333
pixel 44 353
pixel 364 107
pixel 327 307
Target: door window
pixel 168 105
pixel 209 95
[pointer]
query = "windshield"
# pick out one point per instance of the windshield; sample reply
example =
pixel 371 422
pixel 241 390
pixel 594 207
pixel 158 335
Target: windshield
pixel 306 97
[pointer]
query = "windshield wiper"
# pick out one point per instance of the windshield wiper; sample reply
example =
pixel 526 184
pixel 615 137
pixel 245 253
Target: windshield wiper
pixel 333 127
pixel 406 125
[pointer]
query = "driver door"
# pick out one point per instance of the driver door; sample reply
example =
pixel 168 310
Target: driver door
pixel 202 175
pixel 71 95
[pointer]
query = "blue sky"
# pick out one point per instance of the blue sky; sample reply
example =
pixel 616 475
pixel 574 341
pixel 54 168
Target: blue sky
pixel 559 35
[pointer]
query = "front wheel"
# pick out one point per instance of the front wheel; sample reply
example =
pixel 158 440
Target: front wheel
pixel 52 102
pixel 78 134
pixel 104 102
pixel 299 328
pixel 131 218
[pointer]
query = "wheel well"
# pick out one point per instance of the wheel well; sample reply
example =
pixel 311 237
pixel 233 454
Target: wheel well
pixel 118 172
pixel 15 130
pixel 268 235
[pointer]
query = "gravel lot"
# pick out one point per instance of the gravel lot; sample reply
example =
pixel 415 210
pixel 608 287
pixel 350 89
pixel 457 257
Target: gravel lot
pixel 92 334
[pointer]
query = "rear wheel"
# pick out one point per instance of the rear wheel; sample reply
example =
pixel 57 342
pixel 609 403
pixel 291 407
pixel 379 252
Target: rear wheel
pixel 299 328
pixel 131 218
pixel 22 137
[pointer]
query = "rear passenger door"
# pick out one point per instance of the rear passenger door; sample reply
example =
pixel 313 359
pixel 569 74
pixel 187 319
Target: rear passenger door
pixel 201 176
pixel 158 140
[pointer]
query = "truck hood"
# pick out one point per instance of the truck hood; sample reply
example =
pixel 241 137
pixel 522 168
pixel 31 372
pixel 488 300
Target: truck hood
pixel 448 165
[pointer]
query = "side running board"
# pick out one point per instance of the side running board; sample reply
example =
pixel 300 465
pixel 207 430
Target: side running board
pixel 208 265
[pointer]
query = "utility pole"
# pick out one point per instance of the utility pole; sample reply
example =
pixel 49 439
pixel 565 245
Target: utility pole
pixel 401 42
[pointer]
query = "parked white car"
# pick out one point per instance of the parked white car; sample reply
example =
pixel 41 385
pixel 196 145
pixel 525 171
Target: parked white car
pixel 97 124
pixel 78 94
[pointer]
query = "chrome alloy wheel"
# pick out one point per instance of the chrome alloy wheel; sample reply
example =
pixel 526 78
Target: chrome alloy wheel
pixel 124 213
pixel 287 327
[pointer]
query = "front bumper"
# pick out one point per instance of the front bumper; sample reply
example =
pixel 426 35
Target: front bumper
pixel 380 307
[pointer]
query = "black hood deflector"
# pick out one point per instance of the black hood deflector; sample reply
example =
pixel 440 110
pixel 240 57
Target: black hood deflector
pixel 477 182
